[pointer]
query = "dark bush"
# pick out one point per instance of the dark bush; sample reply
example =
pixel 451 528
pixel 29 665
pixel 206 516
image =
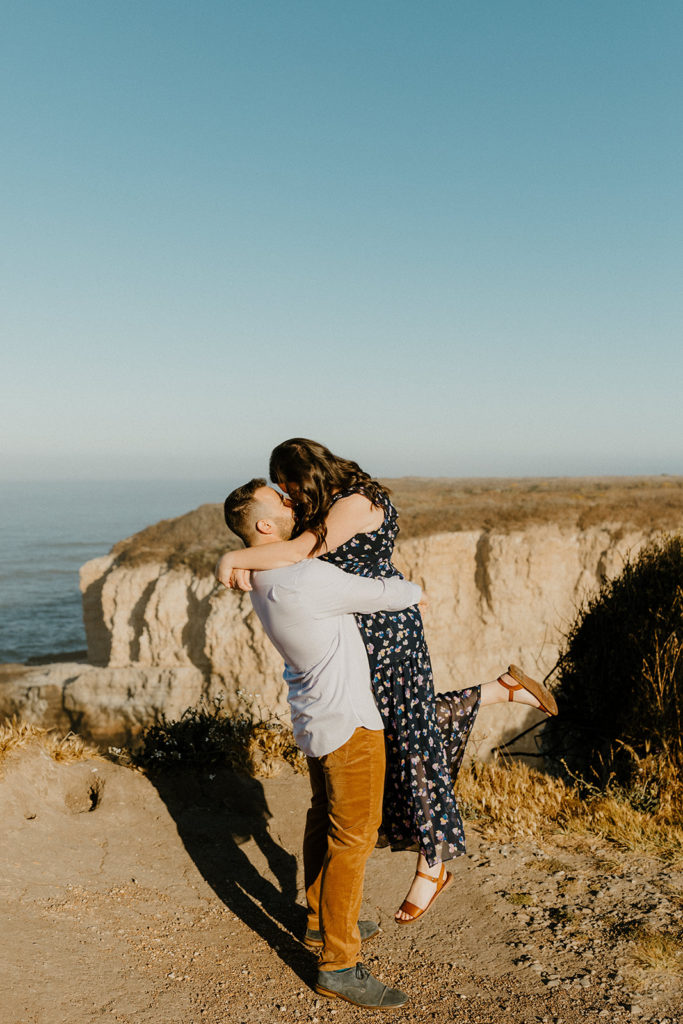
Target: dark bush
pixel 202 737
pixel 620 676
pixel 208 737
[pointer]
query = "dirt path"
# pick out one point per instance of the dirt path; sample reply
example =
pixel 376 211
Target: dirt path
pixel 133 903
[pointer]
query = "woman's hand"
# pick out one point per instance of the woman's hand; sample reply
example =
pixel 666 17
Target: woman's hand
pixel 241 580
pixel 226 573
pixel 223 570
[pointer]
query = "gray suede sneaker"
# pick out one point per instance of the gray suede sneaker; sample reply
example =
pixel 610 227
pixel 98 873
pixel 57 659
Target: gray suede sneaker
pixel 368 930
pixel 358 986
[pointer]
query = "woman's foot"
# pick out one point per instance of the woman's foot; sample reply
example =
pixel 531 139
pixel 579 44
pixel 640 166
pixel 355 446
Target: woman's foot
pixel 427 884
pixel 515 686
pixel 514 693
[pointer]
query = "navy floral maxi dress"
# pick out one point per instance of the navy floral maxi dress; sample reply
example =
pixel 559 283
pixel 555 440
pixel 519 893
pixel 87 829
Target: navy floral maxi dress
pixel 425 735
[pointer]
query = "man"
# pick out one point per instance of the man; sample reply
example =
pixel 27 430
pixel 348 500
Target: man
pixel 306 610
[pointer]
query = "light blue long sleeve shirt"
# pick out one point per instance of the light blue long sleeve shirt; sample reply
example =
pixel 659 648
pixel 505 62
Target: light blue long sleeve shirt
pixel 307 612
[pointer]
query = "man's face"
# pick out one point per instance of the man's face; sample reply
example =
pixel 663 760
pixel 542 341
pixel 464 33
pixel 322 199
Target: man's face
pixel 291 490
pixel 277 509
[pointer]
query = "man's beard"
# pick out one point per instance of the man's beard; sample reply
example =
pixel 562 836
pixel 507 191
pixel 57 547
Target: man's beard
pixel 284 526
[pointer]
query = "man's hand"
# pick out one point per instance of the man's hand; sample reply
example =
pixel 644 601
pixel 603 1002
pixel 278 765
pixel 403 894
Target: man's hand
pixel 229 576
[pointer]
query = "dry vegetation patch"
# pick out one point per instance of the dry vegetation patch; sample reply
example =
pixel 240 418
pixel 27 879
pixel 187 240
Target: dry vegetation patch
pixel 659 950
pixel 508 800
pixel 16 735
pixel 206 736
pixel 504 504
pixel 654 948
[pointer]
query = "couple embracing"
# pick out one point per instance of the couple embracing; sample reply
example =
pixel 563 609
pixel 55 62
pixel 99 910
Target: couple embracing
pixel 383 750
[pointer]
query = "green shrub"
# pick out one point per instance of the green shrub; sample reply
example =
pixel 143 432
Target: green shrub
pixel 203 736
pixel 206 737
pixel 620 679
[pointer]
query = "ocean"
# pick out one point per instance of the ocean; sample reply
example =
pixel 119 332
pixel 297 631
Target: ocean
pixel 48 530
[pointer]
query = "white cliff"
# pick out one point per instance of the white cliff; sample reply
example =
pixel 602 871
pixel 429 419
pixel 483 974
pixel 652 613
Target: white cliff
pixel 161 634
pixel 495 598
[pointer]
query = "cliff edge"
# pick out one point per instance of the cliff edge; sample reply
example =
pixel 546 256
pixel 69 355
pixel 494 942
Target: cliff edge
pixel 506 564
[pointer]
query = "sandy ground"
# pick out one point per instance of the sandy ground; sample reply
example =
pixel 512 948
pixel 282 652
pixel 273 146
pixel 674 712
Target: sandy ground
pixel 127 901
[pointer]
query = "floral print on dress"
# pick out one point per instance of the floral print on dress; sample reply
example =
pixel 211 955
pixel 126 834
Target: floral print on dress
pixel 425 735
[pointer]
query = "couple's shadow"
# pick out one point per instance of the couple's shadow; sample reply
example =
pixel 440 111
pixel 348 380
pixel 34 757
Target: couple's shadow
pixel 216 813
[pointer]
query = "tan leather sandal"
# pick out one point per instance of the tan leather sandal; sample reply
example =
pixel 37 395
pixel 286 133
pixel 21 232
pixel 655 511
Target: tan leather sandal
pixel 442 881
pixel 525 682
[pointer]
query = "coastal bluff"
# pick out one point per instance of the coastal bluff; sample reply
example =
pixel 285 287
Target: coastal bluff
pixel 506 565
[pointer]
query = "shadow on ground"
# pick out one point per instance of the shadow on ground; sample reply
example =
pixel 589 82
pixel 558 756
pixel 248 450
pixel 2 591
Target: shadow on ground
pixel 216 813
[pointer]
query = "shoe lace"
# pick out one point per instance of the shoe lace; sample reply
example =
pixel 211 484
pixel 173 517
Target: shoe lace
pixel 361 972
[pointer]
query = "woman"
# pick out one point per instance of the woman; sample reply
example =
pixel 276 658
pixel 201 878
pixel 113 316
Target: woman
pixel 345 517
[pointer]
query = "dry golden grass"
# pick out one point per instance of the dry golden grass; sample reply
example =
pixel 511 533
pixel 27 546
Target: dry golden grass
pixel 510 799
pixel 654 948
pixel 269 746
pixel 659 951
pixel 16 735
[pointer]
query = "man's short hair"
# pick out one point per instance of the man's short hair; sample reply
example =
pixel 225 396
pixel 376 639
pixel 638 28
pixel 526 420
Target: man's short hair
pixel 238 509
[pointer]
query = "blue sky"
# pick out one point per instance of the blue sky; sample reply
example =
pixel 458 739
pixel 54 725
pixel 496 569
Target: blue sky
pixel 442 238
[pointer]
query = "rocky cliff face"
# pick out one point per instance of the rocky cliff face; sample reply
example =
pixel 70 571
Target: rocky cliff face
pixel 506 565
pixel 108 705
pixel 495 598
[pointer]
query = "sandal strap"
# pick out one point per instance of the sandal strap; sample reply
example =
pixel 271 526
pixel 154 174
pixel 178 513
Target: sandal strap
pixel 432 878
pixel 409 908
pixel 512 689
pixel 443 880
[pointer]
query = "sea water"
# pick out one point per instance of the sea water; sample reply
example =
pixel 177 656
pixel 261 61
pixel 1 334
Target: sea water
pixel 48 530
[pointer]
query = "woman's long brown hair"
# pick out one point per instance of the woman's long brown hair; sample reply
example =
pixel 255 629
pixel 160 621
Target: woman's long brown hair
pixel 317 475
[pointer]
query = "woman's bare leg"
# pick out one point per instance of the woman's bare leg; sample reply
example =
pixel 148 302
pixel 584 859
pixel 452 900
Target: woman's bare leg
pixel 493 692
pixel 422 890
